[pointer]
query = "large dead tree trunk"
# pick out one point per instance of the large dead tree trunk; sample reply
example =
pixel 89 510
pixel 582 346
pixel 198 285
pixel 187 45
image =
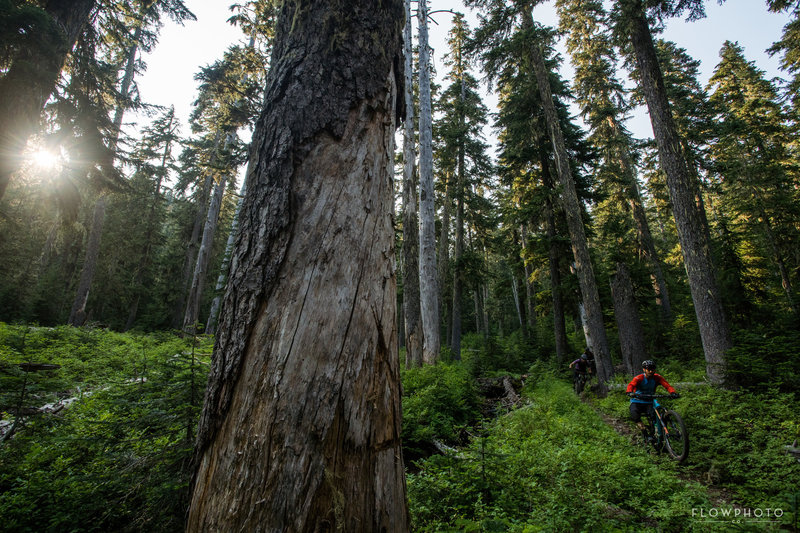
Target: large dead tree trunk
pixel 192 312
pixel 300 430
pixel 428 284
pixel 683 190
pixel 411 309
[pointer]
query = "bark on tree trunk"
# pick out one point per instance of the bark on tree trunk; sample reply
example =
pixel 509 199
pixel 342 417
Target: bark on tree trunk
pixel 77 315
pixel 572 209
pixel 554 255
pixel 192 314
pixel 302 409
pixel 411 302
pixel 689 219
pixel 31 79
pixel 629 325
pixel 428 285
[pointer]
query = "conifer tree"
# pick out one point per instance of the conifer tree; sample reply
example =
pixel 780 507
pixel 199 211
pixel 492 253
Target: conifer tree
pixel 428 275
pixel 461 153
pixel 757 178
pixel 633 29
pixel 604 108
pixel 411 277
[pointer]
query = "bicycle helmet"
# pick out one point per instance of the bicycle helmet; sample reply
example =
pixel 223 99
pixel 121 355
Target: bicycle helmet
pixel 649 364
pixel 583 356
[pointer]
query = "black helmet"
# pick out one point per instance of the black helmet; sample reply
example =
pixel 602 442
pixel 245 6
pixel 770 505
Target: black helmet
pixel 649 364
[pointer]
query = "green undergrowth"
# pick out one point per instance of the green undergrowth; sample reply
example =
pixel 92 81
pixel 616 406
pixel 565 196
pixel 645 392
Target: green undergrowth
pixel 737 442
pixel 440 402
pixel 553 465
pixel 117 458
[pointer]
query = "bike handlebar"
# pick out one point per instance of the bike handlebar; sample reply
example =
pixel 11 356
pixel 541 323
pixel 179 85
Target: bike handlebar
pixel 651 396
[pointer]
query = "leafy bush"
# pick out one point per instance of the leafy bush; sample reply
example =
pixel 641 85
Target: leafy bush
pixel 438 402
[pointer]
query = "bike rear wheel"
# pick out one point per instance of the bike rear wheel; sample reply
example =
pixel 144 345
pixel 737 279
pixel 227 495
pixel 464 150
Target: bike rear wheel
pixel 675 436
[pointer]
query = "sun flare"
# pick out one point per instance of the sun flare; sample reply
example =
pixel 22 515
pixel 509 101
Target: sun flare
pixel 44 159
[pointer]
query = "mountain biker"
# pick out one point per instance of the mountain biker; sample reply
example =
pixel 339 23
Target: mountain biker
pixel 581 366
pixel 646 383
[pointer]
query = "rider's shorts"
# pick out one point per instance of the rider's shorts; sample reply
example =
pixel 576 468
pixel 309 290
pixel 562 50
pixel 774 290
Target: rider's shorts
pixel 638 409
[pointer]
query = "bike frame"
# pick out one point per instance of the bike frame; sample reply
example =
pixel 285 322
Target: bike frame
pixel 659 427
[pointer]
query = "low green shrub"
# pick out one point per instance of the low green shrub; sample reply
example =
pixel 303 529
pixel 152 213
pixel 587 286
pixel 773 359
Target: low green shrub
pixel 552 466
pixel 117 459
pixel 439 401
pixel 737 442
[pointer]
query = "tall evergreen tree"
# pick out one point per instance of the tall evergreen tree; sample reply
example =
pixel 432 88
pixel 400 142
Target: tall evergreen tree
pixel 604 108
pixel 411 278
pixel 633 29
pixel 758 179
pixel 461 153
pixel 504 19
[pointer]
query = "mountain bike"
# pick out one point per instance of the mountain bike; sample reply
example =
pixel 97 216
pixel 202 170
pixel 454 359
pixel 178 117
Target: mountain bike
pixel 579 380
pixel 667 429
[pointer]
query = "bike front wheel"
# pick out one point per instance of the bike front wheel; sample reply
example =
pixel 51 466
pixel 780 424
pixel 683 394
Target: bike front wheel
pixel 675 437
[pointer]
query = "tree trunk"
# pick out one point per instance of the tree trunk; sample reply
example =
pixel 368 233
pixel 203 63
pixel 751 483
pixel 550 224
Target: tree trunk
pixel 190 259
pixel 554 258
pixel 530 290
pixel 192 314
pixel 572 209
pixel 77 315
pixel 213 313
pixel 443 261
pixel 302 408
pixel 411 310
pixel 629 325
pixel 31 79
pixel 690 221
pixel 428 286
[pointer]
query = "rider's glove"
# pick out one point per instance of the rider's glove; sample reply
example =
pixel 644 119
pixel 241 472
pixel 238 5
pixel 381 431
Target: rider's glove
pixel 674 395
pixel 631 394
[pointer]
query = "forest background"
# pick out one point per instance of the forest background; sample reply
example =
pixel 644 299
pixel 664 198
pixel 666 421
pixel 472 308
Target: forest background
pixel 128 228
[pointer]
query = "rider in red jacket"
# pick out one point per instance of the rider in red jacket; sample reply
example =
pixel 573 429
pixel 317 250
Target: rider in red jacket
pixel 646 383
